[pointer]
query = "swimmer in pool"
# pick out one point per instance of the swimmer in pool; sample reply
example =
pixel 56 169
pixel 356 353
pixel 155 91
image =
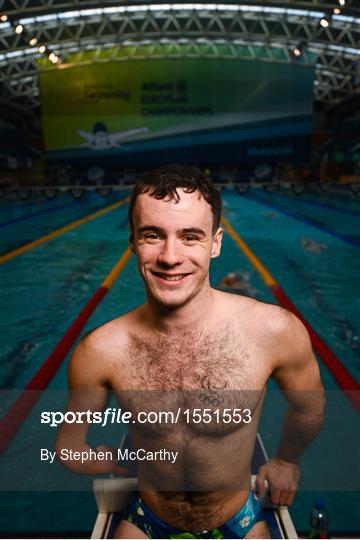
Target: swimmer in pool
pixel 193 348
pixel 311 245
pixel 237 283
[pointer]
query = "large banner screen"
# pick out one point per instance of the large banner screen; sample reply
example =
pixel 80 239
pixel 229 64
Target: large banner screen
pixel 155 104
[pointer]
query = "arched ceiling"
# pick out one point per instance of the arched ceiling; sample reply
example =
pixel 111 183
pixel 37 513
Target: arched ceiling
pixel 88 31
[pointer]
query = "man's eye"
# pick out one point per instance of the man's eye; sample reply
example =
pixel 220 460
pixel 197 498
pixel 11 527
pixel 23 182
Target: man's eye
pixel 190 238
pixel 151 236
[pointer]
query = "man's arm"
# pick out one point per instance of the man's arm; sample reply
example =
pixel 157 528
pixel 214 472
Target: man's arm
pixel 88 391
pixel 297 374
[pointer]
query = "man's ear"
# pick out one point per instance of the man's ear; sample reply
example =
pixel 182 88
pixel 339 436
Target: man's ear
pixel 131 242
pixel 216 243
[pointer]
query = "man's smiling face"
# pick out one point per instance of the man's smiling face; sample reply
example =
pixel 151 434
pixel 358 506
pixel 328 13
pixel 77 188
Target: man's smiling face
pixel 174 243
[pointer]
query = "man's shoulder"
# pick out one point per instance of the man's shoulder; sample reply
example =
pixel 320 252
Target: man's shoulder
pixel 276 322
pixel 279 331
pixel 99 351
pixel 271 317
pixel 274 318
pixel 113 334
pixel 270 323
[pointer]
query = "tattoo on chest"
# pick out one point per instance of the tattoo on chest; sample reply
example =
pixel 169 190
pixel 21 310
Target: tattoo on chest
pixel 213 395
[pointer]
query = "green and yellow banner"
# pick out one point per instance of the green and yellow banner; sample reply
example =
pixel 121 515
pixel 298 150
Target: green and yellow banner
pixel 106 104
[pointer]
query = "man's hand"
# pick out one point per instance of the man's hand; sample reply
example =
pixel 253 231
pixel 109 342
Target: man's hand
pixel 282 477
pixel 111 467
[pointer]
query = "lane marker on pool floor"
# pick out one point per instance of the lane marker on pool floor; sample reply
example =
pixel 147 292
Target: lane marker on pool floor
pixel 342 376
pixel 58 232
pixel 21 408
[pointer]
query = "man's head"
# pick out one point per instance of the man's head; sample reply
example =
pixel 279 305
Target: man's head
pixel 174 221
pixel 163 183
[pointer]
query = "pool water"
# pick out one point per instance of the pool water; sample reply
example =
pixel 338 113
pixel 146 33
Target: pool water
pixel 44 290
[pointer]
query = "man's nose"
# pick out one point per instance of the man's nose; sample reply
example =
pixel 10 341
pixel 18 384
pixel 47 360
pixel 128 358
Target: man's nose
pixel 171 253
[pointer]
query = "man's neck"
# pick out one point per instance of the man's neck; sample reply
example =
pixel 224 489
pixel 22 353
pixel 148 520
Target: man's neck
pixel 197 312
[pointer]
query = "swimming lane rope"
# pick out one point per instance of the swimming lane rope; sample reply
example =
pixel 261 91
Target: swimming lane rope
pixel 31 245
pixel 344 379
pixel 20 410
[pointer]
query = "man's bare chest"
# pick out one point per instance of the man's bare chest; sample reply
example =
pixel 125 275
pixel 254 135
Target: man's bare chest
pixel 191 361
pixel 213 376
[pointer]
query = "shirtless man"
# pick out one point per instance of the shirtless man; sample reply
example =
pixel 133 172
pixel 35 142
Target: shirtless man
pixel 191 347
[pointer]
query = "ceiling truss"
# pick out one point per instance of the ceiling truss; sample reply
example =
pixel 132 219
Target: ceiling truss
pixel 20 7
pixel 230 32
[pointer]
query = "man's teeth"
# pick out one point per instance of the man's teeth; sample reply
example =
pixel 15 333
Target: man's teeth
pixel 173 278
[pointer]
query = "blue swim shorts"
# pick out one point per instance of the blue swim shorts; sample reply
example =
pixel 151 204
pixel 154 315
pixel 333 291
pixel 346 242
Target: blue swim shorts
pixel 236 527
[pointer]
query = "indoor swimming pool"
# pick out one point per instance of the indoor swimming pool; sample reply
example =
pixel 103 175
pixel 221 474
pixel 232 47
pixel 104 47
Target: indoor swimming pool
pixel 308 243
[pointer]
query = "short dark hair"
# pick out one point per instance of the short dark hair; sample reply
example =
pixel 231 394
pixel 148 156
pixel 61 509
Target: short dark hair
pixel 164 182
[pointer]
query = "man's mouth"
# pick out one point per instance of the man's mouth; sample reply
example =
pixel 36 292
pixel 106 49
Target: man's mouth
pixel 170 277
